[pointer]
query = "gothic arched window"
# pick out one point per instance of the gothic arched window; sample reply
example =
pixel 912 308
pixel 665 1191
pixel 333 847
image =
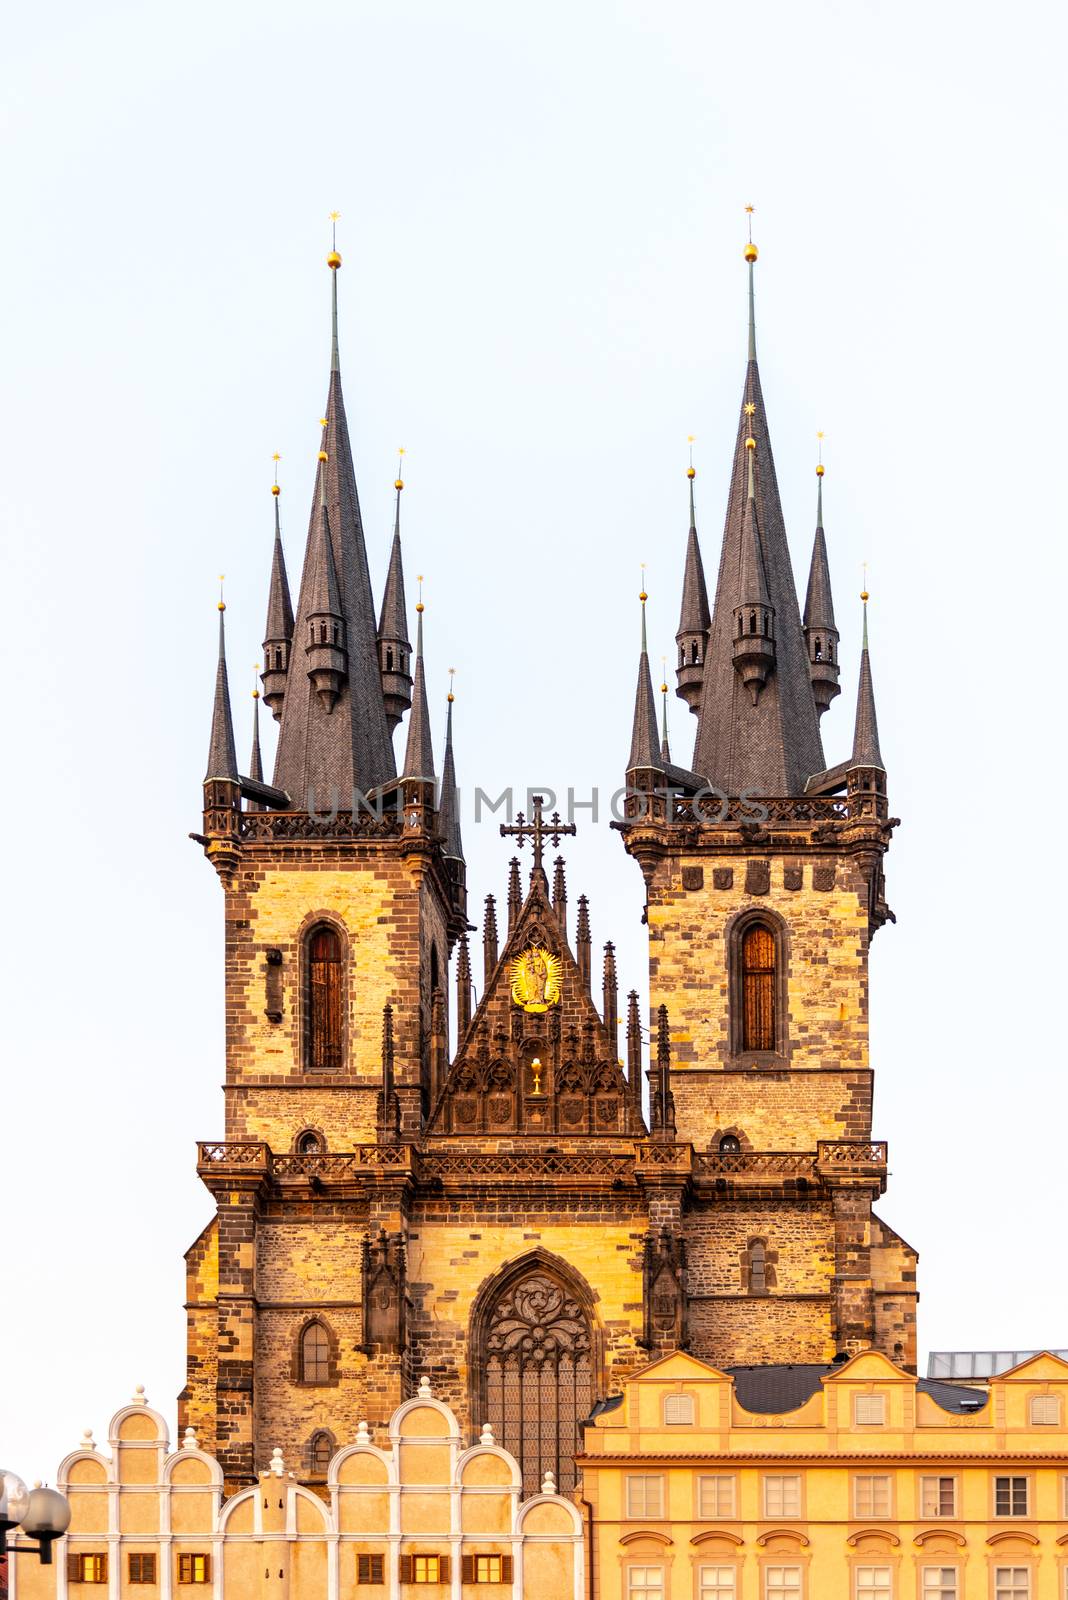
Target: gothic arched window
pixel 535 1359
pixel 324 1033
pixel 309 1143
pixel 730 1144
pixel 315 1354
pixel 320 1450
pixel 759 973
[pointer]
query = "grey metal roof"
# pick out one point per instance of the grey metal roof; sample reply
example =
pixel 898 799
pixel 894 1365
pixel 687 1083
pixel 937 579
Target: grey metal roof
pixel 819 606
pixel 222 753
pixel 279 604
pixel 981 1363
pixel 866 752
pixel 694 615
pixel 419 751
pixel 393 618
pixel 449 800
pixel 786 1387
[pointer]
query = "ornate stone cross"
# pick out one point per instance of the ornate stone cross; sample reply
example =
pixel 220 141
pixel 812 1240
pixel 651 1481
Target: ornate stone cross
pixel 538 830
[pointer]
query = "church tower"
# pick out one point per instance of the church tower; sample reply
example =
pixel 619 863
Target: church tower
pixel 764 881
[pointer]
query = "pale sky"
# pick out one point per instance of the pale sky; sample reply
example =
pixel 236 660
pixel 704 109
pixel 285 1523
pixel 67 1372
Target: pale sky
pixel 543 294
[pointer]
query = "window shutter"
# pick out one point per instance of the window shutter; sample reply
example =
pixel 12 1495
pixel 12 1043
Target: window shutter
pixel 363 1569
pixel 443 1570
pixel 467 1569
pixel 378 1569
pixel 405 1569
pixel 207 1569
pixel 103 1560
pixel 74 1568
pixel 506 1569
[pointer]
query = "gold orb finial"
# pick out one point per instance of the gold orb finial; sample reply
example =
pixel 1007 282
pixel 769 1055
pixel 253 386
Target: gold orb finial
pixel 750 443
pixel 333 260
pixel 323 456
pixel 222 602
pixel 691 471
pixel 452 674
pixel 419 581
pixel 820 468
pixel 399 484
pixel 751 251
pixel 275 489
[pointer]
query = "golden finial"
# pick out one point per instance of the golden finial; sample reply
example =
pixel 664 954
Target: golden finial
pixel 452 674
pixel 750 410
pixel 333 260
pixel 820 468
pixel 276 458
pixel 643 597
pixel 419 581
pixel 222 602
pixel 256 689
pixel 324 424
pixel 663 673
pixel 690 470
pixel 400 463
pixel 750 249
pixel 864 580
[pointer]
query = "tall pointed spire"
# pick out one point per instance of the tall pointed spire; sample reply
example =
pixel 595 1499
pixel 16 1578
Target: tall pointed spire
pixel 327 752
pixel 644 743
pixel 419 752
pixel 610 991
pixel 394 646
pixel 449 801
pixel 278 634
pixel 515 894
pixel 463 987
pixel 489 940
pixel 866 752
pixel 694 615
pixel 753 645
pixel 769 746
pixel 327 650
pixel 582 941
pixel 222 752
pixel 255 761
pixel 821 635
pixel 634 1052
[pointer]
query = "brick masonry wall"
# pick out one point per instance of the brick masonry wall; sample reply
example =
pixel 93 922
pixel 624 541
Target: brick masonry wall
pixel 827 994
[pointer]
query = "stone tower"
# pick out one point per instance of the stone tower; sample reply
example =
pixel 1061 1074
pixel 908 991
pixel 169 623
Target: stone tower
pixel 507 1217
pixel 764 882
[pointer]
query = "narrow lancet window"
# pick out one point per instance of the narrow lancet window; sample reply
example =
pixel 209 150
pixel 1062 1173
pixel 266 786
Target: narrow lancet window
pixel 324 1001
pixel 758 989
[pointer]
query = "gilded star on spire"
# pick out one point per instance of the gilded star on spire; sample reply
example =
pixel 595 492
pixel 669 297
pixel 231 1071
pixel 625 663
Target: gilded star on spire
pixel 749 408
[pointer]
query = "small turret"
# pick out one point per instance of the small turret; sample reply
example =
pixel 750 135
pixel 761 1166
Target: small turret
pixel 278 635
pixel 394 647
pixel 694 617
pixel 222 785
pixel 644 759
pixel 326 646
pixel 753 644
pixel 821 635
pixel 419 752
pixel 255 763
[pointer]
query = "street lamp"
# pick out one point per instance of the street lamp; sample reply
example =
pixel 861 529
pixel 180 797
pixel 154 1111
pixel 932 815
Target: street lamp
pixel 42 1514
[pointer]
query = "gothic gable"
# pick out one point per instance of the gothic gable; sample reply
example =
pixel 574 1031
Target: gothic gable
pixel 537 1058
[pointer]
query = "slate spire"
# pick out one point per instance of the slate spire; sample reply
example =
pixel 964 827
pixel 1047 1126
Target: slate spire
pixel 866 752
pixel 278 634
pixel 325 751
pixel 772 746
pixel 821 635
pixel 222 752
pixel 694 616
pixel 255 760
pixel 449 802
pixel 644 743
pixel 394 646
pixel 753 642
pixel 419 752
pixel 665 748
pixel 327 647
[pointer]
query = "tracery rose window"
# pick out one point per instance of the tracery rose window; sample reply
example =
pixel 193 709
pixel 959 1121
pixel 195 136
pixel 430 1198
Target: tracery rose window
pixel 537 1376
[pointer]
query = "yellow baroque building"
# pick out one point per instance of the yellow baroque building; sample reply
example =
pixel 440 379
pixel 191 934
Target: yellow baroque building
pixel 419 1514
pixel 877 1486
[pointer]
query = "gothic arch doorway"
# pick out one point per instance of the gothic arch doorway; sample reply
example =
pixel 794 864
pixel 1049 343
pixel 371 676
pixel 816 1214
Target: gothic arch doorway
pixel 534 1357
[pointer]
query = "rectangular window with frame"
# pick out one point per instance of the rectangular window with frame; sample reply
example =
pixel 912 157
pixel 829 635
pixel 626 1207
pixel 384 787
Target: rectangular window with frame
pixel 489 1568
pixel 716 1495
pixel 782 1583
pixel 82 1568
pixel 872 1494
pixel 645 1494
pixel 141 1568
pixel 717 1583
pixel 872 1583
pixel 1010 1497
pixel 938 1496
pixel 869 1410
pixel 1012 1583
pixel 424 1569
pixel 940 1583
pixel 782 1494
pixel 645 1583
pixel 370 1569
pixel 194 1568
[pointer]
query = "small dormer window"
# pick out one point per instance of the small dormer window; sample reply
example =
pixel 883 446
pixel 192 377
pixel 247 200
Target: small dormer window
pixel 730 1144
pixel 678 1411
pixel 869 1410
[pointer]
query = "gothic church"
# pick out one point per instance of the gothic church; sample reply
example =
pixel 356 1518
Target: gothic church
pixel 510 1219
